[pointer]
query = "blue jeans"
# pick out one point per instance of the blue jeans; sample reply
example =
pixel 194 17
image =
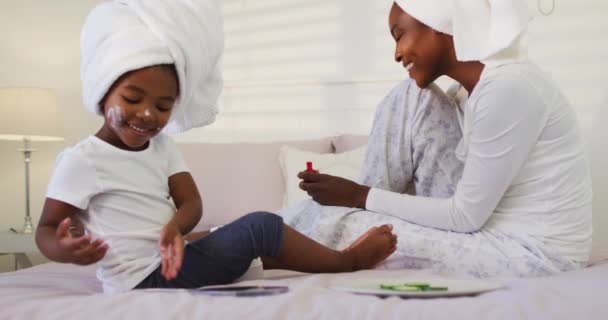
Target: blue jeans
pixel 225 254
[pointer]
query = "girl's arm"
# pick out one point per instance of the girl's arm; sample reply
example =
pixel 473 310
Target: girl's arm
pixel 189 211
pixel 55 241
pixel 187 201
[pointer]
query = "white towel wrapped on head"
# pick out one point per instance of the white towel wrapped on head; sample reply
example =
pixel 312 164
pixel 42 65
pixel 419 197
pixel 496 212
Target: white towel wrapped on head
pixel 491 31
pixel 125 35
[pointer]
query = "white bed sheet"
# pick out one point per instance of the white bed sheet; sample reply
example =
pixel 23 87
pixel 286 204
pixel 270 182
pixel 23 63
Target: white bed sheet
pixel 56 291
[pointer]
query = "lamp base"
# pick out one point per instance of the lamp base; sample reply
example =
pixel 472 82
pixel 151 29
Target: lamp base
pixel 28 227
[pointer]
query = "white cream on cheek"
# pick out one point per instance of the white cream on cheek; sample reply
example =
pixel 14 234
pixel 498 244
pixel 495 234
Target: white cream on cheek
pixel 116 115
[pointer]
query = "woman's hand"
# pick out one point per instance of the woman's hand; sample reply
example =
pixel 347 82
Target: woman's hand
pixel 171 244
pixel 78 250
pixel 333 191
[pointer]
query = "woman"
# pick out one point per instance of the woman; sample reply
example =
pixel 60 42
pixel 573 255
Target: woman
pixel 522 205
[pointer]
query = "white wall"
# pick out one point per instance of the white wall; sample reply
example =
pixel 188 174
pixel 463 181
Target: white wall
pixel 39 47
pixel 298 68
pixel 317 67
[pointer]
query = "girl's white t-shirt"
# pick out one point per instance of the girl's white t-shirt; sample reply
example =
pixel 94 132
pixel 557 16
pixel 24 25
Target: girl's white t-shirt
pixel 526 172
pixel 125 200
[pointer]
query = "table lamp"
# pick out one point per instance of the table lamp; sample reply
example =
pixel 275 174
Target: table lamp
pixel 29 114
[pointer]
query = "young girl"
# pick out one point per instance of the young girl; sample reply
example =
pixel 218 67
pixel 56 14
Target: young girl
pixel 144 70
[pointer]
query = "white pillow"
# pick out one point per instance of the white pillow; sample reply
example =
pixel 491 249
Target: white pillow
pixel 346 165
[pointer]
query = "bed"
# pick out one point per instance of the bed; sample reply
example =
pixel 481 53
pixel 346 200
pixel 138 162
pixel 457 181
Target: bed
pixel 60 291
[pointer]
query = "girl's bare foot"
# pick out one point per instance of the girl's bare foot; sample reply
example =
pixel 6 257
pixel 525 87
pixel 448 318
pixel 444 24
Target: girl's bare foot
pixel 377 244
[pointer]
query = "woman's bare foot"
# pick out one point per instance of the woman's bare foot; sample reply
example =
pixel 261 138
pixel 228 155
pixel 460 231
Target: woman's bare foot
pixel 373 247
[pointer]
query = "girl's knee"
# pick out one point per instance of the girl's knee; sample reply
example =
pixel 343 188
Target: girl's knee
pixel 265 229
pixel 262 218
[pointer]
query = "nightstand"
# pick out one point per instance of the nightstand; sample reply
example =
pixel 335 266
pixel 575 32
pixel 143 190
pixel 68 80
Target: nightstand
pixel 18 245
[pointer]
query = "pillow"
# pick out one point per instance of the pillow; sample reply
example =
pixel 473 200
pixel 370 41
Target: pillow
pixel 346 165
pixel 348 142
pixel 237 178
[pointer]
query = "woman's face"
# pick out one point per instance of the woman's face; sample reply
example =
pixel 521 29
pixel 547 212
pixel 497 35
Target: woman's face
pixel 138 106
pixel 419 48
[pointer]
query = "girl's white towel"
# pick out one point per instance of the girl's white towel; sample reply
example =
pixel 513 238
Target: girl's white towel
pixel 125 35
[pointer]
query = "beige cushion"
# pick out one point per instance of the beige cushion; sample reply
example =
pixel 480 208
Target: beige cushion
pixel 238 178
pixel 598 154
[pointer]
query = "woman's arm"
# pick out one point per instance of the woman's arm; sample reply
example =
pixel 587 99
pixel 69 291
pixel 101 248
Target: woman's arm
pixel 57 243
pixel 507 120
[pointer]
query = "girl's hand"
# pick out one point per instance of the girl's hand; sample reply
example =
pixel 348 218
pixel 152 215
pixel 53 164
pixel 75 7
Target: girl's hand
pixel 171 246
pixel 333 191
pixel 79 250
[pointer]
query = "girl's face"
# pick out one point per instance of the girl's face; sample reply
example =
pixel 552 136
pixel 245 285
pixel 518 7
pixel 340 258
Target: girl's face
pixel 138 106
pixel 420 49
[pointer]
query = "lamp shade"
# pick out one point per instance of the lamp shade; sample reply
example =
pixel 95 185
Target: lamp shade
pixel 30 113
